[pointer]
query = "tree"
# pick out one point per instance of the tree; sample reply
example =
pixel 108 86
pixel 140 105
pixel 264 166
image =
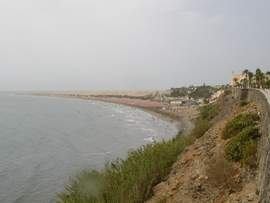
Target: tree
pixel 250 77
pixel 244 83
pixel 245 72
pixel 259 78
pixel 267 79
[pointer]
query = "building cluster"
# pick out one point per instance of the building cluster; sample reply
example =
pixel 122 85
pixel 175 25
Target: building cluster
pixel 175 103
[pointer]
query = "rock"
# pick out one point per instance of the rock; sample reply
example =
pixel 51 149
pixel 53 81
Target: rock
pixel 250 197
pixel 194 177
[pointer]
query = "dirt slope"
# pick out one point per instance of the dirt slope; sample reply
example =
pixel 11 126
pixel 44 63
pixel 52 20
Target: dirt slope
pixel 203 175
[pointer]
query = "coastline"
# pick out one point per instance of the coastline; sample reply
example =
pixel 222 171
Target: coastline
pixel 183 119
pixel 145 167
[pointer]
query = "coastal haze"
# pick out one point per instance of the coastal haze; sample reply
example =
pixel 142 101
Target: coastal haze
pixel 154 44
pixel 46 140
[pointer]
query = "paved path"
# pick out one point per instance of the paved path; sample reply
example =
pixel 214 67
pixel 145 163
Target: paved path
pixel 266 94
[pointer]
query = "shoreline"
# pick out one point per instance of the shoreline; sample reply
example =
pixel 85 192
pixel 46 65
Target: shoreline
pixel 183 119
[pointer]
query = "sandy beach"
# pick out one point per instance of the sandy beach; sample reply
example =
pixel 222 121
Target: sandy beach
pixel 183 118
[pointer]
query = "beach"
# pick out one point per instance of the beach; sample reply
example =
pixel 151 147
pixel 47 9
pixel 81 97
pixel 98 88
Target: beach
pixel 183 117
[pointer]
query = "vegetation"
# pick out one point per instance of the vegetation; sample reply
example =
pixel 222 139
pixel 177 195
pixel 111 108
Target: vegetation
pixel 131 180
pixel 202 92
pixel 208 112
pixel 243 133
pixel 180 92
pixel 201 127
pixel 258 79
pixel 195 92
pixel 202 123
pixel 243 147
pixel 237 124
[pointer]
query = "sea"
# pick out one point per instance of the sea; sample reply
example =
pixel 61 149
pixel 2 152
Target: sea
pixel 45 141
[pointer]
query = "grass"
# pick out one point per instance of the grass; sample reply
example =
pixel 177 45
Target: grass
pixel 132 179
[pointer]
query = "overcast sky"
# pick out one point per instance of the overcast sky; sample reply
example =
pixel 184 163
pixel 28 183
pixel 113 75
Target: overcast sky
pixel 129 44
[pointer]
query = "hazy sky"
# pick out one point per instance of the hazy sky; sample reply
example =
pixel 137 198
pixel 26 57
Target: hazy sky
pixel 129 44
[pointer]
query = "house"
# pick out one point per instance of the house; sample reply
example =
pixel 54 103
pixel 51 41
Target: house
pixel 176 102
pixel 236 78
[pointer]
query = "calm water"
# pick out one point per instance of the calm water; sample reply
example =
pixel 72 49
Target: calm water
pixel 44 141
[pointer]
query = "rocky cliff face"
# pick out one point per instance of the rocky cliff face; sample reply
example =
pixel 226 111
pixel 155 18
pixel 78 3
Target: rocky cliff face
pixel 202 174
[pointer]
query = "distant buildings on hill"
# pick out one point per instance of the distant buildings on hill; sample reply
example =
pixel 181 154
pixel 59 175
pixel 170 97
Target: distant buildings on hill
pixel 176 98
pixel 236 79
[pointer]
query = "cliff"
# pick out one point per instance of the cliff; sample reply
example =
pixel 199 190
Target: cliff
pixel 203 173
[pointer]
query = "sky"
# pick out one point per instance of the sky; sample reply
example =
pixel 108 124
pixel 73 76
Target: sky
pixel 129 44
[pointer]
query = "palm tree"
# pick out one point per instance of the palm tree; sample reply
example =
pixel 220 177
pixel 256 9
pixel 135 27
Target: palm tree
pixel 244 80
pixel 267 79
pixel 259 78
pixel 244 83
pixel 245 72
pixel 250 77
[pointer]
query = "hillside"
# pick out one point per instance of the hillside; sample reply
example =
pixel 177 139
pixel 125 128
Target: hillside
pixel 203 174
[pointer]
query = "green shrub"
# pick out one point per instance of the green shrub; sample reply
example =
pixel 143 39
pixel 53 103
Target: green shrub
pixel 129 180
pixel 237 124
pixel 243 146
pixel 203 122
pixel 201 127
pixel 208 112
pixel 250 153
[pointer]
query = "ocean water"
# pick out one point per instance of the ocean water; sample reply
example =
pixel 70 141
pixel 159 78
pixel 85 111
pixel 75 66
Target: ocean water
pixel 44 141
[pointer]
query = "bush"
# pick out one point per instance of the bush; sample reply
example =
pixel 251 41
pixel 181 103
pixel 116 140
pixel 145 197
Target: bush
pixel 202 123
pixel 243 147
pixel 237 124
pixel 129 180
pixel 208 112
pixel 201 127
